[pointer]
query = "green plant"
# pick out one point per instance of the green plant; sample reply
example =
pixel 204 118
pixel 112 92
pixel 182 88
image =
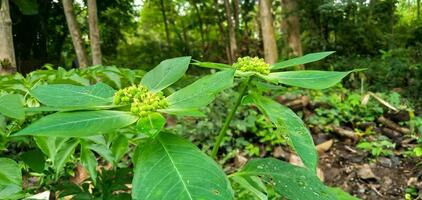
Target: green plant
pixel 101 121
pixel 377 148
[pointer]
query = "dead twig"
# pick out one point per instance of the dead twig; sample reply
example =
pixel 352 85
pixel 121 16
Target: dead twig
pixel 392 125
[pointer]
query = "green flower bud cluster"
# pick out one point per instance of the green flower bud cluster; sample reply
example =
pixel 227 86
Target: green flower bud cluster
pixel 254 64
pixel 142 102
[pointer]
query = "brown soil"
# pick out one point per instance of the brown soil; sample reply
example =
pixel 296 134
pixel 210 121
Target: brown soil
pixel 388 178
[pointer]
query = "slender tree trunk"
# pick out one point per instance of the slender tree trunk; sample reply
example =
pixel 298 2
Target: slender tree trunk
pixel 232 32
pixel 94 32
pixel 291 22
pixel 201 24
pixel 166 28
pixel 270 46
pixel 75 33
pixel 236 13
pixel 7 51
pixel 418 7
pixel 222 32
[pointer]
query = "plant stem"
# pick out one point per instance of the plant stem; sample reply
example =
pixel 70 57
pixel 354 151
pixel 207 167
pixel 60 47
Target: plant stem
pixel 229 118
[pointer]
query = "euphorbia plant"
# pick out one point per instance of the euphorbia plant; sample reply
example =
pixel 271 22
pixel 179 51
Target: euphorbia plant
pixel 168 166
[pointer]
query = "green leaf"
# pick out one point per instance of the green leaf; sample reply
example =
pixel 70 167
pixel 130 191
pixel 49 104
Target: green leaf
pixel 79 124
pixel 183 112
pixel 341 194
pixel 11 105
pixel 66 96
pixel 89 162
pixel 291 182
pixel 242 181
pixel 308 58
pixel 166 73
pixel 10 192
pixel 63 154
pixel 104 151
pixel 201 92
pixel 27 7
pixel 212 65
pixel 49 145
pixel 34 159
pixel 10 172
pixel 311 79
pixel 119 147
pixel 286 120
pixel 172 168
pixel 151 124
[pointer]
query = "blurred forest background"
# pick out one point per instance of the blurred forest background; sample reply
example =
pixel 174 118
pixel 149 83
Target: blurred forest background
pixel 384 36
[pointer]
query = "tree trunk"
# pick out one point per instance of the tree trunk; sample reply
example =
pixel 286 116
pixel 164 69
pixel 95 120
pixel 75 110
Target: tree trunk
pixel 75 33
pixel 270 47
pixel 7 51
pixel 236 13
pixel 232 33
pixel 94 33
pixel 201 24
pixel 292 26
pixel 163 13
pixel 418 7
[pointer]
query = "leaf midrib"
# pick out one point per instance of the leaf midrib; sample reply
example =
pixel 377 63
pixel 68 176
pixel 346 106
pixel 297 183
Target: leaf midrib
pixel 321 76
pixel 175 167
pixel 79 121
pixel 89 94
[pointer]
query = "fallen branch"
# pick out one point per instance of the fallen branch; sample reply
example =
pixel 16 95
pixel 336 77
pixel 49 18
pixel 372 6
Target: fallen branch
pixel 392 134
pixel 392 125
pixel 344 132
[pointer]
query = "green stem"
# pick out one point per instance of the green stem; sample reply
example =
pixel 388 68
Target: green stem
pixel 229 118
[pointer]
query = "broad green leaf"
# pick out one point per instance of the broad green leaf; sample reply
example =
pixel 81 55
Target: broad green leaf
pixel 151 124
pixel 172 168
pixel 341 194
pixel 10 192
pixel 201 92
pixel 183 112
pixel 247 185
pixel 286 120
pixel 49 145
pixel 291 182
pixel 308 58
pixel 79 124
pixel 34 159
pixel 65 96
pixel 119 147
pixel 11 105
pixel 89 162
pixel 311 79
pixel 104 152
pixel 67 109
pixel 212 65
pixel 166 73
pixel 63 154
pixel 10 172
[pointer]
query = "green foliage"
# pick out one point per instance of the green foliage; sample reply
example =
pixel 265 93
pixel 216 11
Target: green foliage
pixel 378 148
pixel 10 178
pixel 289 181
pixel 308 58
pixel 77 122
pixel 71 96
pixel 189 173
pixel 11 105
pixel 166 73
pixel 309 79
pixel 286 120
